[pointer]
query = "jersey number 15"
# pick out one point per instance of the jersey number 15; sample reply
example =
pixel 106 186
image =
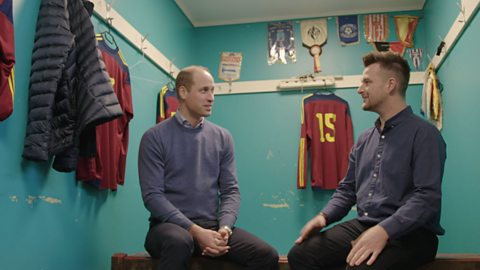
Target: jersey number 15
pixel 326 125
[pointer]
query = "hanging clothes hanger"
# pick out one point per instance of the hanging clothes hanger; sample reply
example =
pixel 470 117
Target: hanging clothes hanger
pixel 171 82
pixel 107 35
pixel 171 85
pixel 110 39
pixel 323 90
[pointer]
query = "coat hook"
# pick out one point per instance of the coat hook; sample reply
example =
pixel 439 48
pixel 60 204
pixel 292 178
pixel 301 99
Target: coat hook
pixel 429 58
pixel 142 41
pixel 108 18
pixel 462 11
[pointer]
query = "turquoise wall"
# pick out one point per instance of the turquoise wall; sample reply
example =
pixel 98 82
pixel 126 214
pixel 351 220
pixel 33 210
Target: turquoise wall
pixel 459 75
pixel 60 224
pixel 266 129
pixel 48 220
pixel 266 126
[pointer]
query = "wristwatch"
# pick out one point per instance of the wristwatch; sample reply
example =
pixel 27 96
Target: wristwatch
pixel 226 228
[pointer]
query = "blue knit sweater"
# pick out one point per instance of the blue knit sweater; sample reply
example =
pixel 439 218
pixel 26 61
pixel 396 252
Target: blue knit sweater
pixel 189 175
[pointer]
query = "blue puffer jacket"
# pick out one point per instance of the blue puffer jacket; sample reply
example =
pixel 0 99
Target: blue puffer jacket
pixel 70 92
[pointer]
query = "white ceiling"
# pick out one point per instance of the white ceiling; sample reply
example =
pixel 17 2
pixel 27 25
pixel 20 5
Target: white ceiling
pixel 220 12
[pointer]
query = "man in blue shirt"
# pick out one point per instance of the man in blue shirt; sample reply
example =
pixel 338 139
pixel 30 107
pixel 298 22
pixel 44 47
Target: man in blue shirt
pixel 189 184
pixel 394 179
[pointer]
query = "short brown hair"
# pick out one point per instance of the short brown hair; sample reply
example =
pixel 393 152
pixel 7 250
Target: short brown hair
pixel 185 77
pixel 391 62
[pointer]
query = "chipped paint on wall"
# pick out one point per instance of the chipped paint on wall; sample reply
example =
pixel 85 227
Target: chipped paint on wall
pixel 283 204
pixel 269 155
pixel 276 205
pixel 31 199
pixel 50 200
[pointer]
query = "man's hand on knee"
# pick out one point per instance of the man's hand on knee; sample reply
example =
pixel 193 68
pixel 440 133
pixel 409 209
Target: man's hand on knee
pixel 316 223
pixel 368 246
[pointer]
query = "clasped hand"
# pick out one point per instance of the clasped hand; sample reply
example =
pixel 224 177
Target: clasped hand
pixel 212 243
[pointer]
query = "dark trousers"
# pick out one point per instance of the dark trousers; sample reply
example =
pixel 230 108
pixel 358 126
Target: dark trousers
pixel 329 249
pixel 173 246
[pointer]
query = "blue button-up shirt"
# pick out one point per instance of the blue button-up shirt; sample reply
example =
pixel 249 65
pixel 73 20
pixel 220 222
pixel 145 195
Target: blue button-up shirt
pixel 184 122
pixel 394 177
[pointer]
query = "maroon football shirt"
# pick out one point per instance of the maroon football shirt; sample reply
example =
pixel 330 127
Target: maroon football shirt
pixel 107 168
pixel 327 135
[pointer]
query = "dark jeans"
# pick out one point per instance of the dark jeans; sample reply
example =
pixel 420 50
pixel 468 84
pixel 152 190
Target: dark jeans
pixel 173 246
pixel 329 249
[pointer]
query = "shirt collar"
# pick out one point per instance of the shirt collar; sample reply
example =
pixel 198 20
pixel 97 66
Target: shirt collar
pixel 184 122
pixel 395 120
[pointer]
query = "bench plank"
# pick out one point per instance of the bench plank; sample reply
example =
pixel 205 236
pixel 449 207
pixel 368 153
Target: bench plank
pixel 142 261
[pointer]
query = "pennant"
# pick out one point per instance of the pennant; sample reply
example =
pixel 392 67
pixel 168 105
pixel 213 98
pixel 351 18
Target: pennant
pixel 230 64
pixel 281 43
pixel 416 57
pixel 396 47
pixel 376 27
pixel 405 26
pixel 348 29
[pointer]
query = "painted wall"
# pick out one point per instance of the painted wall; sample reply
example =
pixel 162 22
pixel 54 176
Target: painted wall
pixel 266 127
pixel 48 220
pixel 460 78
pixel 59 224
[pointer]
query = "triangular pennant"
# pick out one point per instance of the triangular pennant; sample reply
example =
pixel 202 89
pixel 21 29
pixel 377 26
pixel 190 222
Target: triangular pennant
pixel 416 55
pixel 405 26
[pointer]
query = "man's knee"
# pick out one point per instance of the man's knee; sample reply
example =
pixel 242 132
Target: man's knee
pixel 180 243
pixel 270 255
pixel 164 240
pixel 296 256
pixel 263 257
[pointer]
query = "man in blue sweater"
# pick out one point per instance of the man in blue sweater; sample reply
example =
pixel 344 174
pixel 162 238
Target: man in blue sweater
pixel 189 184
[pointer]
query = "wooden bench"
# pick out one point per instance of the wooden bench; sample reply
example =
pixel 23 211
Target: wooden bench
pixel 454 262
pixel 141 261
